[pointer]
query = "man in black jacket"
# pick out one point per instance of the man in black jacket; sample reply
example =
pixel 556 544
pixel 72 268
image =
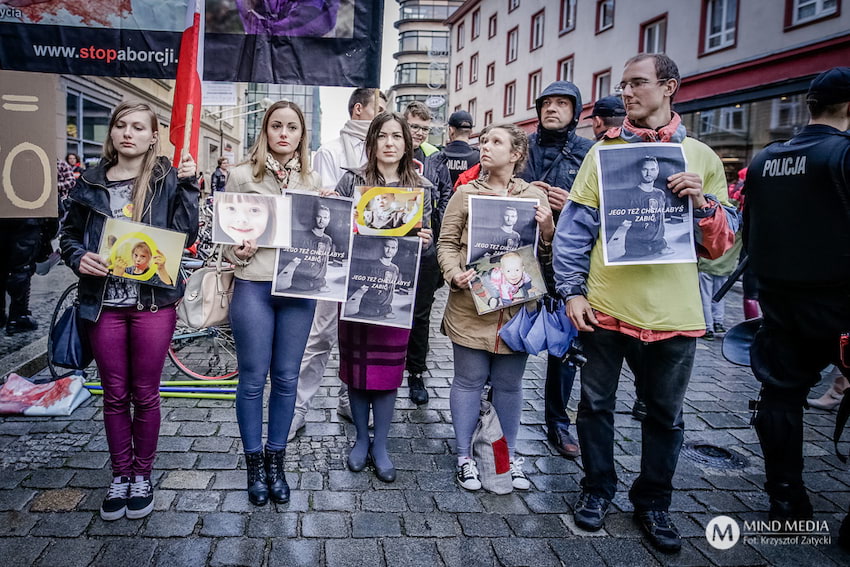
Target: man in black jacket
pixel 458 155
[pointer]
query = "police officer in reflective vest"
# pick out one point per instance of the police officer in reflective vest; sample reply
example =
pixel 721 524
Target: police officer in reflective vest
pixel 797 233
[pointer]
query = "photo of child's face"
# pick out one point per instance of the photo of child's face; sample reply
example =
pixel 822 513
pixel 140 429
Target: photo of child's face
pixel 383 202
pixel 243 220
pixel 512 269
pixel 141 258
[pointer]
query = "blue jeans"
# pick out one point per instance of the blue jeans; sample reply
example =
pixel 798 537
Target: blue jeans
pixel 270 334
pixel 663 369
pixel 559 383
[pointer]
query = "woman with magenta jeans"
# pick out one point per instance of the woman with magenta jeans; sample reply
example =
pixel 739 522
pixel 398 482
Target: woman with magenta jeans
pixel 130 323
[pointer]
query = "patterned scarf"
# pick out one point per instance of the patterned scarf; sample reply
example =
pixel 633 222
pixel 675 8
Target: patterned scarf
pixel 673 132
pixel 282 172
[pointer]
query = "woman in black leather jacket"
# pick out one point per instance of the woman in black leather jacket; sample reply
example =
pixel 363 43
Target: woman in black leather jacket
pixel 130 323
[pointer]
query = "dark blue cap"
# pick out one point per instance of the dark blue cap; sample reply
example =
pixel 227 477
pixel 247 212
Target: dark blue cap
pixel 608 106
pixel 830 87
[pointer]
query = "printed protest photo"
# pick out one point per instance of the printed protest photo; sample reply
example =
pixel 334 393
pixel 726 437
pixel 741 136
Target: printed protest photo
pixel 502 280
pixel 388 211
pixel 382 280
pixel 499 224
pixel 316 265
pixel 643 222
pixel 139 252
pixel 244 216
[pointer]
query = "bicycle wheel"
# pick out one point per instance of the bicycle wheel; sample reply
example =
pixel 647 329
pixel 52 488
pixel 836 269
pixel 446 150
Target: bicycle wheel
pixel 67 299
pixel 204 354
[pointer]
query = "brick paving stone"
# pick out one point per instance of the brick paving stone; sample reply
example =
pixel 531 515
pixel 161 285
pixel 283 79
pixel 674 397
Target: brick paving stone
pixel 555 465
pixel 175 461
pixel 230 480
pixel 439 480
pixel 458 501
pixel 169 444
pixel 15 428
pixel 383 501
pixel 334 501
pixel 295 553
pixel 128 552
pixel 187 413
pixel 212 445
pixel 519 552
pixel 554 482
pixel 272 524
pixel 217 461
pixel 623 552
pixel 483 525
pixel 418 501
pixel 430 525
pixel 536 525
pixel 184 553
pixel 202 429
pixel 375 525
pixel 689 556
pixel 413 462
pixel 311 481
pixel 15 499
pixel 545 503
pixel 504 503
pixel 117 528
pixel 411 553
pixel 576 552
pixel 62 524
pixel 11 479
pixel 162 499
pixel 15 524
pixel 24 550
pixel 238 551
pixel 170 524
pixel 347 480
pixel 466 552
pixel 325 525
pixel 197 501
pixel 71 553
pixel 720 502
pixel 738 555
pixel 48 479
pixel 348 553
pixel 237 502
pixel 88 461
pixel 430 446
pixel 187 479
pixel 223 524
pixel 91 479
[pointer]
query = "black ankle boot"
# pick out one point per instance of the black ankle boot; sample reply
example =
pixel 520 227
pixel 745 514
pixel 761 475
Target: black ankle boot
pixel 275 476
pixel 258 490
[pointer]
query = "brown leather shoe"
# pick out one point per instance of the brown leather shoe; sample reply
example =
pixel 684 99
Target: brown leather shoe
pixel 565 443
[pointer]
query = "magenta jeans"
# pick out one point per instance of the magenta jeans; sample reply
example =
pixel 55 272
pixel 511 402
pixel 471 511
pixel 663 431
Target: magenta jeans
pixel 129 348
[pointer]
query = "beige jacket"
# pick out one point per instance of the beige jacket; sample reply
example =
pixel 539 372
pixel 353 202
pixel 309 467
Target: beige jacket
pixel 260 266
pixel 461 322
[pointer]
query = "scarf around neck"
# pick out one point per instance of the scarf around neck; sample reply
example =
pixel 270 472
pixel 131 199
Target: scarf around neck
pixel 673 132
pixel 281 173
pixel 352 132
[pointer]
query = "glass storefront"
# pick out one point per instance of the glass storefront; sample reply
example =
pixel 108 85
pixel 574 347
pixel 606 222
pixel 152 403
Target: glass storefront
pixel 86 127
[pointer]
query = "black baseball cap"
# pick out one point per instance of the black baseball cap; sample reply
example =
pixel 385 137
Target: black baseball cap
pixel 608 106
pixel 460 119
pixel 830 87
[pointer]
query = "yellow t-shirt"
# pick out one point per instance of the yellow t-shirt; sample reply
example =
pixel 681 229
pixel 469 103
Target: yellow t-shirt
pixel 659 297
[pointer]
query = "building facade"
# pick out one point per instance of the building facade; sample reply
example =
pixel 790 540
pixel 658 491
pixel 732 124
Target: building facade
pixel 422 58
pixel 745 66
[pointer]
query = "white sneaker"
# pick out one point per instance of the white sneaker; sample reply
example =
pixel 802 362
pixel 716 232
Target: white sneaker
pixel 299 420
pixel 518 478
pixel 467 476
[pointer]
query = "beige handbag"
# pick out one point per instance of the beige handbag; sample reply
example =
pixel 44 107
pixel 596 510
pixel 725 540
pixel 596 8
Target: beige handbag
pixel 206 301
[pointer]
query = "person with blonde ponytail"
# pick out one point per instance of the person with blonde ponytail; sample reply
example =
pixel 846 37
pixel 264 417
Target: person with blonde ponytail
pixel 129 323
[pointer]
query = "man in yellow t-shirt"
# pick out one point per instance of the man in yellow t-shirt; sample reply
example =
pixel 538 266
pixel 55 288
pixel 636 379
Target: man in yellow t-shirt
pixel 649 315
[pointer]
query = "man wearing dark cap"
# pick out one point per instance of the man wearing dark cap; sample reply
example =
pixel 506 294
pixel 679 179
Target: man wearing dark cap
pixel 797 234
pixel 608 112
pixel 458 155
pixel 555 153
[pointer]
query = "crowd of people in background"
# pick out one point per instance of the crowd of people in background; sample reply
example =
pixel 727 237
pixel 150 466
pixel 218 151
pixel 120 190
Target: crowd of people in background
pixel 649 315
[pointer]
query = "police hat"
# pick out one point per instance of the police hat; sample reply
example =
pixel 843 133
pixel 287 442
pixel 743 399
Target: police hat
pixel 608 106
pixel 460 119
pixel 830 87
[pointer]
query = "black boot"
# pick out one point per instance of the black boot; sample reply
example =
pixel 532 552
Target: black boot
pixel 276 478
pixel 789 502
pixel 258 490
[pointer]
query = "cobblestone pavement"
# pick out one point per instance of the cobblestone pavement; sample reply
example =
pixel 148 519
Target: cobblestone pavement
pixel 53 472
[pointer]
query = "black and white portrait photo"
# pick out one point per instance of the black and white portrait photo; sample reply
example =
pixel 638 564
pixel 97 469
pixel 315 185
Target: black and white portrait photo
pixel 500 224
pixel 643 222
pixel 382 280
pixel 316 265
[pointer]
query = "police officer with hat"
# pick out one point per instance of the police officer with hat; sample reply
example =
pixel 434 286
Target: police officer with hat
pixel 608 112
pixel 797 233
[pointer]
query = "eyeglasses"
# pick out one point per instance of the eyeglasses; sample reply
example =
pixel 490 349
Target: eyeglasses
pixel 418 128
pixel 636 84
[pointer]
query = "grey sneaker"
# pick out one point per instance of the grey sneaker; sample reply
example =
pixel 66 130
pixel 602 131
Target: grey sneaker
pixel 299 420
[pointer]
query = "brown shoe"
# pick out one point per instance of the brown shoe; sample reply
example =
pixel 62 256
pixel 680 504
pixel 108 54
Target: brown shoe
pixel 564 443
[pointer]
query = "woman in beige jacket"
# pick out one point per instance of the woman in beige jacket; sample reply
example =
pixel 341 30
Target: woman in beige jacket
pixel 479 353
pixel 270 331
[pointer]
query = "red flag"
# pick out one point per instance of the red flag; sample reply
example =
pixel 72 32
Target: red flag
pixel 186 110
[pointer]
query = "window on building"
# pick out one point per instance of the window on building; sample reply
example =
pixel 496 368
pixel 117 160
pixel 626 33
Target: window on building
pixel 601 84
pixel 653 36
pixel 537 21
pixel 472 108
pixel 565 69
pixel 513 45
pixel 488 118
pixel 535 80
pixel 461 32
pixel 434 75
pixel 87 125
pixel 459 76
pixel 491 74
pixel 476 23
pixel 567 19
pixel 804 11
pixel 492 26
pixel 457 108
pixel 473 68
pixel 721 22
pixel 787 112
pixel 513 5
pixel 604 15
pixel 431 42
pixel 726 120
pixel 510 98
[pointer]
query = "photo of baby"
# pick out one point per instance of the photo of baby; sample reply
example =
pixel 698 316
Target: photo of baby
pixel 506 279
pixel 388 211
pixel 238 217
pixel 143 253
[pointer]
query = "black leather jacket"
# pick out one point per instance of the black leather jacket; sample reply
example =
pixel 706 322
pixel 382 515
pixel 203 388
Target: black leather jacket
pixel 171 203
